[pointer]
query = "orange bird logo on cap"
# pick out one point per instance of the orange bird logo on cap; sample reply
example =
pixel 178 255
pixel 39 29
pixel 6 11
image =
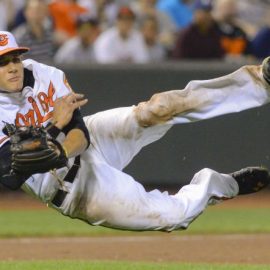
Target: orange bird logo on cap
pixel 3 40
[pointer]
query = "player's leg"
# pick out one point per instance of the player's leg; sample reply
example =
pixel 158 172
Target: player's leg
pixel 243 89
pixel 117 136
pixel 121 133
pixel 115 200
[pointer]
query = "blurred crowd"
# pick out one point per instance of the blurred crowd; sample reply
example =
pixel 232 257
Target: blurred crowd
pixel 138 31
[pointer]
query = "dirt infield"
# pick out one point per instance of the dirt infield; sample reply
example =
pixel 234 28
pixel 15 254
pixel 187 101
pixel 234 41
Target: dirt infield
pixel 167 248
pixel 251 249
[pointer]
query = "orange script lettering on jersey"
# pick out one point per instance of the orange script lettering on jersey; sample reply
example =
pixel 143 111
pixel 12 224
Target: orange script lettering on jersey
pixel 34 117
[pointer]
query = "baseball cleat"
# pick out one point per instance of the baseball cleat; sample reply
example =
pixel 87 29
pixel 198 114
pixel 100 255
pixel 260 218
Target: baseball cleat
pixel 251 179
pixel 266 69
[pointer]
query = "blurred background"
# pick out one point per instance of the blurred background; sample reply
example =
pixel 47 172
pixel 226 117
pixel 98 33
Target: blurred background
pixel 139 31
pixel 120 52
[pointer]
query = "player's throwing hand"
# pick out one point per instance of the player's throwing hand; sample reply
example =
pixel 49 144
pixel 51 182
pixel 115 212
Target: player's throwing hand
pixel 64 108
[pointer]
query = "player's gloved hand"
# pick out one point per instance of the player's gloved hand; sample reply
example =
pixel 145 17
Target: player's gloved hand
pixel 10 180
pixel 33 150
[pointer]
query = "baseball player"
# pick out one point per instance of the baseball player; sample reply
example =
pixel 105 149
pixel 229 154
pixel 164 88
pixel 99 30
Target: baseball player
pixel 75 164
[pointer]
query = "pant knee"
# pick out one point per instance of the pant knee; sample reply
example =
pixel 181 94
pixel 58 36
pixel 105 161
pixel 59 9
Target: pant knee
pixel 206 172
pixel 155 111
pixel 216 184
pixel 206 176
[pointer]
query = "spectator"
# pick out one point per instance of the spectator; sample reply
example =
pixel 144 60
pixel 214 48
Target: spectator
pixel 150 31
pixel 36 32
pixel 121 43
pixel 234 40
pixel 105 11
pixel 7 11
pixel 201 40
pixel 65 14
pixel 179 10
pixel 253 15
pixel 167 28
pixel 18 4
pixel 260 45
pixel 124 2
pixel 80 48
pixel 19 17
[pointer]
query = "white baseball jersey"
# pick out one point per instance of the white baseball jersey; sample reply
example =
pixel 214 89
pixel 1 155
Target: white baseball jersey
pixel 101 194
pixel 34 106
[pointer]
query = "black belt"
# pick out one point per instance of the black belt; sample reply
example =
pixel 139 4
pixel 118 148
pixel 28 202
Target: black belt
pixel 70 176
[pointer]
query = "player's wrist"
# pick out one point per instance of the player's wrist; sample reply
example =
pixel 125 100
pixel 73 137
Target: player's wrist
pixel 53 130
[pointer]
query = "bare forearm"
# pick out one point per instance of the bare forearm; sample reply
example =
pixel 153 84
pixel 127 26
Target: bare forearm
pixel 75 143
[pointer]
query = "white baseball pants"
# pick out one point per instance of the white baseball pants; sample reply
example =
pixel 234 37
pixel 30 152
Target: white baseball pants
pixel 115 199
pixel 112 198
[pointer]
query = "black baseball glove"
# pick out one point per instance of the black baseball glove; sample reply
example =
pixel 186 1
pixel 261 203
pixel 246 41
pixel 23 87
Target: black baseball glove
pixel 34 150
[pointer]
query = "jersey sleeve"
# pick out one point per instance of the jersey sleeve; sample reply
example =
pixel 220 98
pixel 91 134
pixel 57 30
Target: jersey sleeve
pixel 61 84
pixel 49 77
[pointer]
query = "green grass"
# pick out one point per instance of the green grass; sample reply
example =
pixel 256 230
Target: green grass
pixel 218 221
pixel 50 223
pixel 81 265
pixel 36 223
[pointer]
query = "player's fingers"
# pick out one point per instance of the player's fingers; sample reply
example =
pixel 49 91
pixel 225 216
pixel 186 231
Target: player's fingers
pixel 80 103
pixel 79 96
pixel 61 101
pixel 73 98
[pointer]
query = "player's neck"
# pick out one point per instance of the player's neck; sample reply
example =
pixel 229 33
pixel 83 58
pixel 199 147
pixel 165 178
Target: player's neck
pixel 7 92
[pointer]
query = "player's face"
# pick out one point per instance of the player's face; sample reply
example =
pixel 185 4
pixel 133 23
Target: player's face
pixel 11 73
